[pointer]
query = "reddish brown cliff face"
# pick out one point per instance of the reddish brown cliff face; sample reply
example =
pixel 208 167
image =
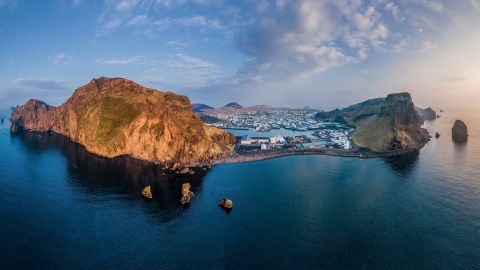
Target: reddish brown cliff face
pixel 113 117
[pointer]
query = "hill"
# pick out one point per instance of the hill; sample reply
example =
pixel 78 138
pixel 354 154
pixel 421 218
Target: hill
pixel 233 105
pixel 198 107
pixel 115 117
pixel 382 124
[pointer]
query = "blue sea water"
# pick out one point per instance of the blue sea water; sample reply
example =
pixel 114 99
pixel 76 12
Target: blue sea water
pixel 63 208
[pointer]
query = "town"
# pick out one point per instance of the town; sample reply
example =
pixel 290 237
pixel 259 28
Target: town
pixel 266 129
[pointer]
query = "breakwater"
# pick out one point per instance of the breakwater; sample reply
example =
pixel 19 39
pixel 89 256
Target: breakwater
pixel 237 158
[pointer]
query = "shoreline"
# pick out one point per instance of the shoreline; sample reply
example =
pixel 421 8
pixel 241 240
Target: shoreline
pixel 237 158
pixel 247 158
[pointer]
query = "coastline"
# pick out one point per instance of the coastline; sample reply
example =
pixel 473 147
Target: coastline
pixel 236 158
pixel 246 158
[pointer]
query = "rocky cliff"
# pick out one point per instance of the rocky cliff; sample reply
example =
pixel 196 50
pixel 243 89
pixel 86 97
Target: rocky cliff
pixel 114 117
pixel 426 114
pixel 383 124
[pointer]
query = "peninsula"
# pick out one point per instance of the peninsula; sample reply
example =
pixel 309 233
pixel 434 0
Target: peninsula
pixel 112 117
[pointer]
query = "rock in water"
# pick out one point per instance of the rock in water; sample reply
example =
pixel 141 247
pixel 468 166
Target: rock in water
pixel 187 195
pixel 225 203
pixel 184 170
pixel 112 117
pixel 437 135
pixel 147 192
pixel 426 114
pixel 459 132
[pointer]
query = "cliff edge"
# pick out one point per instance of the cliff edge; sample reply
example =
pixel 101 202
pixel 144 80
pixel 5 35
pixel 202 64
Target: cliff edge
pixel 383 124
pixel 114 116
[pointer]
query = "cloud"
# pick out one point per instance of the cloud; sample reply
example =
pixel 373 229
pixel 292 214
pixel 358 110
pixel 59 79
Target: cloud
pixel 475 5
pixel 40 84
pixel 126 5
pixel 138 20
pixel 434 5
pixel 429 46
pixel 116 14
pixel 394 10
pixel 302 38
pixel 121 61
pixel 61 58
pixel 182 61
pixel 199 20
pixel 181 71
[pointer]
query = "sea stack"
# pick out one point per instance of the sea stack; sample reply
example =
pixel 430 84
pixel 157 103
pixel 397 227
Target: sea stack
pixel 459 132
pixel 187 195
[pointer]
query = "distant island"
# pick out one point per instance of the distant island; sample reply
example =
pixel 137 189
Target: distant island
pixel 112 117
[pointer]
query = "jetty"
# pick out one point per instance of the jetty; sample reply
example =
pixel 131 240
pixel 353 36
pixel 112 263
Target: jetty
pixel 243 158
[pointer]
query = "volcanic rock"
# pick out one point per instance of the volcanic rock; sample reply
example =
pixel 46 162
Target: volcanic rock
pixel 115 117
pixel 187 195
pixel 383 124
pixel 225 203
pixel 459 132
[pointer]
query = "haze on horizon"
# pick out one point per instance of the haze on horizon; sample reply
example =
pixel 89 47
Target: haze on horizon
pixel 323 54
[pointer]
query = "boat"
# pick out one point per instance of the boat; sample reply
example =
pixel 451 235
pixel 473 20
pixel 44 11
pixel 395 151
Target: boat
pixel 147 192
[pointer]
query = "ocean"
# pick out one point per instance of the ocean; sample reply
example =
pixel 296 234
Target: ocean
pixel 64 208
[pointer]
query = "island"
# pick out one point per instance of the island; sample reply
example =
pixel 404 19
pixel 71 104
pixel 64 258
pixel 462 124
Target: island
pixel 113 117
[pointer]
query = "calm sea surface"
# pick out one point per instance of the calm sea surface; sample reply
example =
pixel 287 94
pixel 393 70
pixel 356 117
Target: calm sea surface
pixel 63 208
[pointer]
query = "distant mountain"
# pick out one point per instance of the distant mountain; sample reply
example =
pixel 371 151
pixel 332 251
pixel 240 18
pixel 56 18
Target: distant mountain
pixel 382 124
pixel 198 107
pixel 233 105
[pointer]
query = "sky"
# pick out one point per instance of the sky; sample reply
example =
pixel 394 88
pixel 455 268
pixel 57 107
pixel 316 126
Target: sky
pixel 318 53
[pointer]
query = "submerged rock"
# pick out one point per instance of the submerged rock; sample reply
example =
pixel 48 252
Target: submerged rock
pixel 459 132
pixel 184 170
pixel 226 203
pixel 187 195
pixel 147 192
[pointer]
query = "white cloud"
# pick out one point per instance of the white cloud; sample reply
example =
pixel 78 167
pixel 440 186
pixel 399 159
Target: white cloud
pixel 199 20
pixel 475 4
pixel 126 5
pixel 61 58
pixel 121 61
pixel 138 20
pixel 394 10
pixel 434 5
pixel 40 83
pixel 182 61
pixel 429 46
